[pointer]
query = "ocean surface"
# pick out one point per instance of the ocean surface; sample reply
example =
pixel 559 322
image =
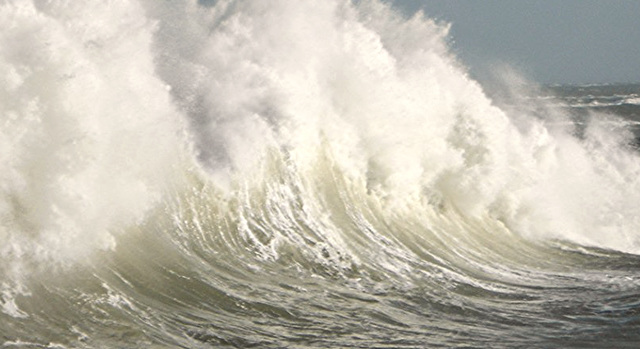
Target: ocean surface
pixel 288 174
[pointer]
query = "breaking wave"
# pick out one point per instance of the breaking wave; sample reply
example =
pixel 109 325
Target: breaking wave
pixel 241 173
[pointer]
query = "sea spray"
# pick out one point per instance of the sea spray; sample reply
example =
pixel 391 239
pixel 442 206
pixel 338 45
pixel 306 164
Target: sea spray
pixel 286 173
pixel 90 138
pixel 396 110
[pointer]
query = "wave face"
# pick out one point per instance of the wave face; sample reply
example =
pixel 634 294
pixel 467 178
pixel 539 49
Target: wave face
pixel 295 174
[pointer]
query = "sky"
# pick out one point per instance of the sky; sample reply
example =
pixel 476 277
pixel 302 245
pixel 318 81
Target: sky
pixel 547 41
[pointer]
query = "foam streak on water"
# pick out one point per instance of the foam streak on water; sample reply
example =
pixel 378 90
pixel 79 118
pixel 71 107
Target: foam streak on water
pixel 295 174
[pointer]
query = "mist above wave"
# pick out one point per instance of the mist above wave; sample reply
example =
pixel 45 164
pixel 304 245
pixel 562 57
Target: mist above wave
pixel 397 112
pixel 107 106
pixel 89 134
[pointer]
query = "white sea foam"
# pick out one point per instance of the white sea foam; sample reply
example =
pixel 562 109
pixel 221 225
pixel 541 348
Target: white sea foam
pixel 252 173
pixel 397 112
pixel 89 135
pixel 96 96
pixel 633 100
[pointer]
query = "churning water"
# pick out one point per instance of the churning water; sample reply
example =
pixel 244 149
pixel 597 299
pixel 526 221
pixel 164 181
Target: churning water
pixel 300 174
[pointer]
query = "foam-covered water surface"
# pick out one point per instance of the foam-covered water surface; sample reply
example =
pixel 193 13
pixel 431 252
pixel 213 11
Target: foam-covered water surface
pixel 298 174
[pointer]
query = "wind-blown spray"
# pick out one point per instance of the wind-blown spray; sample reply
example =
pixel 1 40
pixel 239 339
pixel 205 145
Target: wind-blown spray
pixel 201 172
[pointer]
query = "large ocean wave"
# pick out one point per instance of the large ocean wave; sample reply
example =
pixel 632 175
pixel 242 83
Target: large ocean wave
pixel 284 173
